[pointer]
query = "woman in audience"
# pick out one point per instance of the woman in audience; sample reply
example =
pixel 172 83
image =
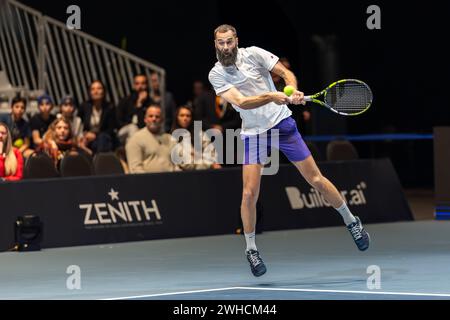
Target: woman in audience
pixel 207 158
pixel 99 120
pixel 59 141
pixel 11 160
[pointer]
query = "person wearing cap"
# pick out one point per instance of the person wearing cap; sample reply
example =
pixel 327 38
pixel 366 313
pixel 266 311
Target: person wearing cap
pixel 67 110
pixel 40 122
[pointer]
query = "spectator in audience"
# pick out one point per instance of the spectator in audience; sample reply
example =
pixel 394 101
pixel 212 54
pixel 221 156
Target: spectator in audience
pixel 301 114
pixel 18 126
pixel 207 159
pixel 215 112
pixel 67 110
pixel 168 106
pixel 198 88
pixel 149 150
pixel 59 141
pixel 40 121
pixel 131 109
pixel 99 120
pixel 11 161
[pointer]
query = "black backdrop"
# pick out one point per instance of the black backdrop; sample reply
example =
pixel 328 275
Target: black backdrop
pixel 405 62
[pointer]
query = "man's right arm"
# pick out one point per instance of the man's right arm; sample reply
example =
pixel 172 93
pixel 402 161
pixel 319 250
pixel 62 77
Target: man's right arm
pixel 235 97
pixel 134 156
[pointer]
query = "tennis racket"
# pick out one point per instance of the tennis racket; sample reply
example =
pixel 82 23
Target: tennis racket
pixel 348 97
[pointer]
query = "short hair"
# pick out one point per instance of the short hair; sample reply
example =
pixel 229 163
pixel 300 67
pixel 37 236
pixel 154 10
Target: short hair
pixel 154 105
pixel 18 99
pixel 224 28
pixel 154 73
pixel 139 75
pixel 157 106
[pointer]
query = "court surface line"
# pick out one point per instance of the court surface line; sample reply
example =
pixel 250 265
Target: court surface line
pixel 419 294
pixel 172 293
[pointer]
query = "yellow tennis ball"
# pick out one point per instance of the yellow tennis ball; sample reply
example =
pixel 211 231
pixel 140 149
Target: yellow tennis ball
pixel 18 143
pixel 288 90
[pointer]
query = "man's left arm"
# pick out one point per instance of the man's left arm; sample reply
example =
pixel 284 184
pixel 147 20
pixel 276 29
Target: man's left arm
pixel 290 80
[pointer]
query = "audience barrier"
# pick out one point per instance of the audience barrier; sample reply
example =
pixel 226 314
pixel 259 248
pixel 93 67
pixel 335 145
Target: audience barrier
pixel 108 209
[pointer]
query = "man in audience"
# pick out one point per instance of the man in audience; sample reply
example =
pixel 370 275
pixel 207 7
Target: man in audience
pixel 149 150
pixel 167 104
pixel 215 112
pixel 198 88
pixel 131 109
pixel 18 126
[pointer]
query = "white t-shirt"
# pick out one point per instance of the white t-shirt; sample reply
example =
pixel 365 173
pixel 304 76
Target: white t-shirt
pixel 251 76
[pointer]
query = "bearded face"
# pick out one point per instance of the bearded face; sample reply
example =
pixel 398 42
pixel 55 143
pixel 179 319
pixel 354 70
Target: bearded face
pixel 226 48
pixel 227 57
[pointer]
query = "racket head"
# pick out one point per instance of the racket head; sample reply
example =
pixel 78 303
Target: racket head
pixel 349 97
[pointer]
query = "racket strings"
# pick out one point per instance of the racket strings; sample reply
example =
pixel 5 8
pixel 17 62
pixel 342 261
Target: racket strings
pixel 349 97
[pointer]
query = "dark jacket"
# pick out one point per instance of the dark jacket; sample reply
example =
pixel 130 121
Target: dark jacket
pixel 126 109
pixel 108 121
pixel 205 110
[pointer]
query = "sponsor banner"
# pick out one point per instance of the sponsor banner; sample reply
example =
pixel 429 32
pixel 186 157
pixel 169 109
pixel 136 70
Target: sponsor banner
pixel 370 187
pixel 92 210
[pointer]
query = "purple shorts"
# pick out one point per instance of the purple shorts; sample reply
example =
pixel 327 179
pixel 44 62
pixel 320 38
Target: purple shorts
pixel 257 147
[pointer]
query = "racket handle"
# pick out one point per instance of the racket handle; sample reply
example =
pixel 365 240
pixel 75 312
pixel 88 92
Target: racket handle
pixel 290 99
pixel 307 98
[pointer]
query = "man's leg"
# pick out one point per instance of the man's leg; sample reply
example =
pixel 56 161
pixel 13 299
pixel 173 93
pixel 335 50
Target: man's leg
pixel 251 175
pixel 314 177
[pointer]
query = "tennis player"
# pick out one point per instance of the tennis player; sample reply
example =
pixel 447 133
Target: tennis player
pixel 242 77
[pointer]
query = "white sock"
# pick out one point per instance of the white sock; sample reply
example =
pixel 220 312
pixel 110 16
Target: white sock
pixel 250 239
pixel 346 214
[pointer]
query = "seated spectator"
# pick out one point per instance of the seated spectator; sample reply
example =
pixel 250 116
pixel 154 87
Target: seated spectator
pixel 167 104
pixel 131 109
pixel 149 150
pixel 39 122
pixel 99 120
pixel 18 126
pixel 67 110
pixel 58 140
pixel 207 158
pixel 198 88
pixel 215 112
pixel 11 160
